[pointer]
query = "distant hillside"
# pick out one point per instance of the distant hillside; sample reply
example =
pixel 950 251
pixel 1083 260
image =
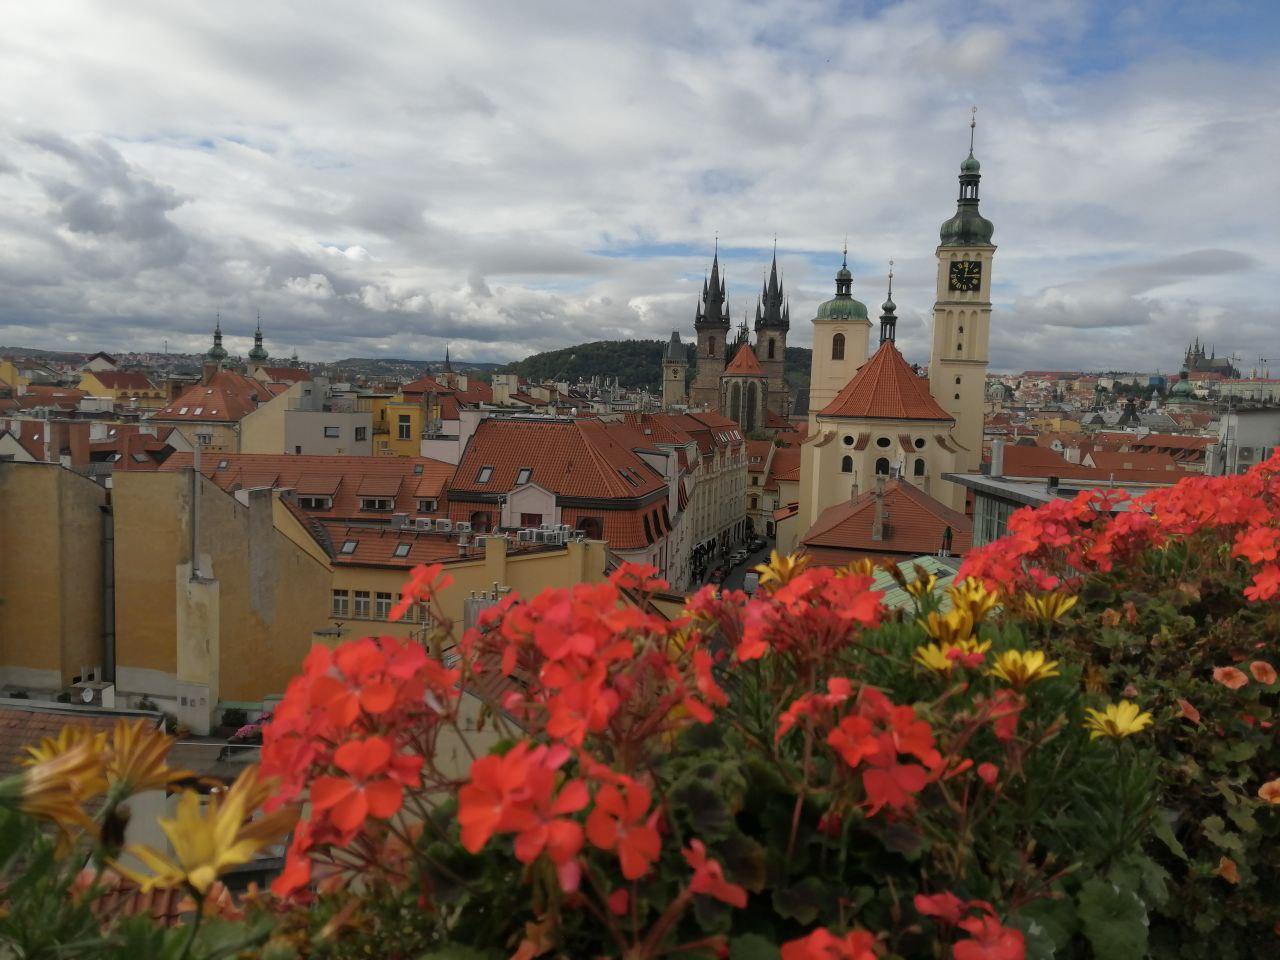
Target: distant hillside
pixel 635 363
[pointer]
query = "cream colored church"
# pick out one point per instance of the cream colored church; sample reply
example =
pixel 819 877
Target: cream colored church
pixel 872 415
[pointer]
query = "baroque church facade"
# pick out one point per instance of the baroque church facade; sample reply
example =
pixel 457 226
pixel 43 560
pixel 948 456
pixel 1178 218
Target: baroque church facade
pixel 878 417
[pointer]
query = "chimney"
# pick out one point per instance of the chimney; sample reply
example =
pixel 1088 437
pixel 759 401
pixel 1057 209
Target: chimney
pixel 997 457
pixel 877 522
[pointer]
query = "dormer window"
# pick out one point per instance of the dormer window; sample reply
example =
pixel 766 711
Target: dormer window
pixel 377 504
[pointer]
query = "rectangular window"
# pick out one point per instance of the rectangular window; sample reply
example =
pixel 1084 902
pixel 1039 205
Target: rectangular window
pixel 426 506
pixel 341 603
pixel 205 438
pixel 314 503
pixel 530 519
pixel 402 549
pixel 382 606
pixel 362 434
pixel 523 476
pixel 484 474
pixel 331 433
pixel 403 426
pixel 378 504
pixel 362 604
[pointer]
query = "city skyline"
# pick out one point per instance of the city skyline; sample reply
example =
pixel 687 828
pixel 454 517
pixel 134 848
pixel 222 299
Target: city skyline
pixel 375 186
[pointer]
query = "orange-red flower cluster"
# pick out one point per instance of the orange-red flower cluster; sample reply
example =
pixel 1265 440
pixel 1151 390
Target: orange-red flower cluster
pixel 988 938
pixel 1064 539
pixel 822 944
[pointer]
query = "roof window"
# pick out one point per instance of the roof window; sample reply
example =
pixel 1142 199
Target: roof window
pixel 222 464
pixel 197 411
pixel 417 469
pixel 484 474
pixel 349 546
pixel 402 549
pixel 524 476
pixel 181 410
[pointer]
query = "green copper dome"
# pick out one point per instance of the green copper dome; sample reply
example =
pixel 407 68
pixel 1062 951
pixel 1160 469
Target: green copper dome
pixel 1181 389
pixel 967 227
pixel 970 165
pixel 258 354
pixel 841 308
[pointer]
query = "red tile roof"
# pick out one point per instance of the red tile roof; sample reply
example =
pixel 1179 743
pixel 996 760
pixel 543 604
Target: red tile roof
pixel 758 455
pixel 1129 460
pixel 341 478
pixel 744 363
pixel 26 725
pixel 578 458
pixel 61 398
pixel 914 524
pixel 885 387
pixel 286 374
pixel 785 467
pixel 225 398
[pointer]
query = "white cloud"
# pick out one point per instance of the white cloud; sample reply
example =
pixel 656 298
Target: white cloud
pixel 511 176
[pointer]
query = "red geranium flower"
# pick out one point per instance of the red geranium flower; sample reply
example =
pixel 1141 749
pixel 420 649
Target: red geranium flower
pixel 374 785
pixel 991 941
pixel 822 944
pixel 708 877
pixel 618 822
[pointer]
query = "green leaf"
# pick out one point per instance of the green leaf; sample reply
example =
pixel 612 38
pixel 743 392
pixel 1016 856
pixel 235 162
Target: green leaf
pixel 454 952
pixel 752 946
pixel 1049 925
pixel 801 902
pixel 1215 829
pixel 1115 921
pixel 1164 832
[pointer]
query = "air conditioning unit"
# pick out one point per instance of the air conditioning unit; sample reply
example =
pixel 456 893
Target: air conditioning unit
pixel 444 526
pixel 565 529
pixel 539 536
pixel 462 526
pixel 423 523
pixel 524 536
pixel 480 540
pixel 94 693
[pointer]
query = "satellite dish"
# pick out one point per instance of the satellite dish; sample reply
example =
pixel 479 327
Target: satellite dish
pixel 86 695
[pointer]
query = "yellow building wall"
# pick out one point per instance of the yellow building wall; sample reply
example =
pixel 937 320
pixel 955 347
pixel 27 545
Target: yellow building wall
pixel 528 575
pixel 272 595
pixel 51 599
pixel 262 431
pixel 224 437
pixel 9 374
pixel 411 447
pixel 147 399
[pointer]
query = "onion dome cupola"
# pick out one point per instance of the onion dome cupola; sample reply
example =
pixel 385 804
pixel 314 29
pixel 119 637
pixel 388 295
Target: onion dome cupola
pixel 217 353
pixel 259 353
pixel 968 227
pixel 842 306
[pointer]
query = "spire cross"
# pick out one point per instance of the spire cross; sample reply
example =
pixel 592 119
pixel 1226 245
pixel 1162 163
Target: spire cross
pixel 844 260
pixel 973 122
pixel 890 279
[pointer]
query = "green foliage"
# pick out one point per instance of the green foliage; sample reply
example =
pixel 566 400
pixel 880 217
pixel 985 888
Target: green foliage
pixel 635 363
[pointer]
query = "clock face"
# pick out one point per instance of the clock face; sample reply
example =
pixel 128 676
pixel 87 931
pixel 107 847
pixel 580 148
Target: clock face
pixel 966 275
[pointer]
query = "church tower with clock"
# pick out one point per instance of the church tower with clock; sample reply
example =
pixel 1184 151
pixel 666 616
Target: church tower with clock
pixel 962 315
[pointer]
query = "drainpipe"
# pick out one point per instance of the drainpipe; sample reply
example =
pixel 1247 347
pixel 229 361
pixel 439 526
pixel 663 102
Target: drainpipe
pixel 108 596
pixel 195 513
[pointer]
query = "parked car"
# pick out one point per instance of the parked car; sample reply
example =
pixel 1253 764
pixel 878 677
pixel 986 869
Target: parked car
pixel 758 544
pixel 738 556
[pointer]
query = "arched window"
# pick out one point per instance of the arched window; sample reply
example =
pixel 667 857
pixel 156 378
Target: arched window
pixel 837 347
pixel 749 419
pixel 711 346
pixel 769 527
pixel 882 467
pixel 735 403
pixel 846 465
pixel 918 470
pixel 960 329
pixel 959 346
pixel 957 381
pixel 592 527
pixel 480 521
pixel 771 348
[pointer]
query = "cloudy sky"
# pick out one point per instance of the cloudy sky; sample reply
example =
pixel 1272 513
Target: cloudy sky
pixel 381 179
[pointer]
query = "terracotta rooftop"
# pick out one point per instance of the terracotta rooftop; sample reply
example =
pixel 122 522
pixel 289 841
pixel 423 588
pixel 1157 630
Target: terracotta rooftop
pixel 1128 460
pixel 286 374
pixel 402 479
pixel 744 363
pixel 225 398
pixel 885 387
pixel 24 723
pixel 577 458
pixel 62 398
pixel 758 452
pixel 914 524
pixel 785 467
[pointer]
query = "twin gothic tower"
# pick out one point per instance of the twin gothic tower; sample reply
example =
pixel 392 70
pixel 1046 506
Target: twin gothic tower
pixel 744 381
